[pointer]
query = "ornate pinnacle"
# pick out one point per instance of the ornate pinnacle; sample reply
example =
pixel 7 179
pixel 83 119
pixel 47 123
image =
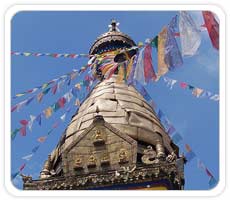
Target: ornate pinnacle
pixel 114 25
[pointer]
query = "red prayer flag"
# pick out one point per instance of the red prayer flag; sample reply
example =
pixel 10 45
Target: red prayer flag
pixel 24 122
pixel 177 34
pixel 208 173
pixel 22 167
pixel 55 125
pixel 61 102
pixel 148 65
pixel 23 131
pixel 14 108
pixel 54 89
pixel 213 28
pixel 183 85
pixel 188 148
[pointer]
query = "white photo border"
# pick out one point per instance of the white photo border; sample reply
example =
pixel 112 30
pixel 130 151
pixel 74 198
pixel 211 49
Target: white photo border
pixel 222 127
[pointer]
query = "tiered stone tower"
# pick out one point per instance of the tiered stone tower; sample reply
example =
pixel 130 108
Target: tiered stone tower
pixel 114 141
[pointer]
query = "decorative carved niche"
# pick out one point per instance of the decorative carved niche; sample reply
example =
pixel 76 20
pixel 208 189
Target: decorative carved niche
pixel 123 156
pixel 105 160
pixel 98 139
pixel 78 164
pixel 92 162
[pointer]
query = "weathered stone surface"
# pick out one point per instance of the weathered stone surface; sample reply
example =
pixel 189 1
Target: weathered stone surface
pixel 123 108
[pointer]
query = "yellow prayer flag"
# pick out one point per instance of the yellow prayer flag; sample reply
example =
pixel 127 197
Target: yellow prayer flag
pixel 44 85
pixel 77 103
pixel 48 112
pixel 129 67
pixel 18 95
pixel 162 66
pixel 197 92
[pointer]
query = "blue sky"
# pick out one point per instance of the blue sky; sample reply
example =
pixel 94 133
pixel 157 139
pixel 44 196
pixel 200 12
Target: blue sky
pixel 196 119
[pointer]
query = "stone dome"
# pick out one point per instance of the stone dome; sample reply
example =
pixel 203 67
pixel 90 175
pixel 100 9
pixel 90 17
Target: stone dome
pixel 111 40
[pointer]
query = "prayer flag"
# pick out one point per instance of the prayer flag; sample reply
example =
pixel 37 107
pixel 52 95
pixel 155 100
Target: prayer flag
pixel 190 155
pixel 29 100
pixel 189 34
pixel 208 172
pixel 39 119
pixel 187 147
pixel 39 97
pixel 55 125
pixel 213 28
pixel 149 72
pixel 212 182
pixel 197 92
pixel 139 71
pixel 27 157
pixel 131 75
pixel 171 130
pixel 14 175
pixel 14 133
pixel 162 66
pixel 176 138
pixel 200 164
pixel 45 85
pixel 22 167
pixel 46 91
pixel 13 108
pixel 42 139
pixel 24 122
pixel 34 150
pixel 183 85
pixel 30 124
pixel 173 56
pixel 68 96
pixel 63 117
pixel 48 112
pixel 77 103
pixel 54 89
pixel 61 102
pixel 215 97
pixel 23 131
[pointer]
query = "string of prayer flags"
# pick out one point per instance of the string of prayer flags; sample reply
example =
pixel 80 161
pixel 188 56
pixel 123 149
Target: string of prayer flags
pixel 67 96
pixel 173 56
pixel 48 112
pixel 53 55
pixel 58 82
pixel 213 28
pixel 212 180
pixel 190 37
pixel 177 139
pixel 197 92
